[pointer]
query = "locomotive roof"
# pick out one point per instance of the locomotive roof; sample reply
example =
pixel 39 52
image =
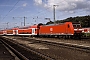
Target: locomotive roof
pixel 53 24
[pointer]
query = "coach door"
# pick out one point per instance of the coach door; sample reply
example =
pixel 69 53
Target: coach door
pixel 33 30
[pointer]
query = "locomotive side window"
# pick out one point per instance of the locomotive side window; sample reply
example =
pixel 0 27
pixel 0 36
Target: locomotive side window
pixel 68 25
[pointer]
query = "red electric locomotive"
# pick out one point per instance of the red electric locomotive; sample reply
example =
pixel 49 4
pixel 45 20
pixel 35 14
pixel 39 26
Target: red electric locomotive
pixel 67 29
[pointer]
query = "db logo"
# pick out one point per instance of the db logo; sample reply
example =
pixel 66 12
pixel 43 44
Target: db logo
pixel 51 29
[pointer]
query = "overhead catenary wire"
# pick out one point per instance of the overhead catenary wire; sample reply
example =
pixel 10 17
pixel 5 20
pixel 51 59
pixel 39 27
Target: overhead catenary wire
pixel 2 10
pixel 41 12
pixel 11 9
pixel 6 4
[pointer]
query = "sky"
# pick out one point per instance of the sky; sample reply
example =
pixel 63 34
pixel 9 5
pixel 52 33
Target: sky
pixel 12 12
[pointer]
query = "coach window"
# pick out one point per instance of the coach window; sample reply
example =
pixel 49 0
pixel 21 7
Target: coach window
pixel 68 25
pixel 78 25
pixel 74 25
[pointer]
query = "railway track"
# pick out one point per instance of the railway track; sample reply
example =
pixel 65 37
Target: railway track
pixel 70 45
pixel 60 44
pixel 22 52
pixel 5 53
pixel 57 51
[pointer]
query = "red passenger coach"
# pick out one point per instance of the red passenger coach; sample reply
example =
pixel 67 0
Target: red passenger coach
pixel 10 31
pixel 1 32
pixel 86 30
pixel 24 31
pixel 31 30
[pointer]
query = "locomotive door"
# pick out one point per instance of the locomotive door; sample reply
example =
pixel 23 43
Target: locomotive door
pixel 67 28
pixel 33 30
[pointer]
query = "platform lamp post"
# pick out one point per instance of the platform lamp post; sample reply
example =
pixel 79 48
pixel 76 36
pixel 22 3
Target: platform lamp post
pixel 54 12
pixel 24 20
